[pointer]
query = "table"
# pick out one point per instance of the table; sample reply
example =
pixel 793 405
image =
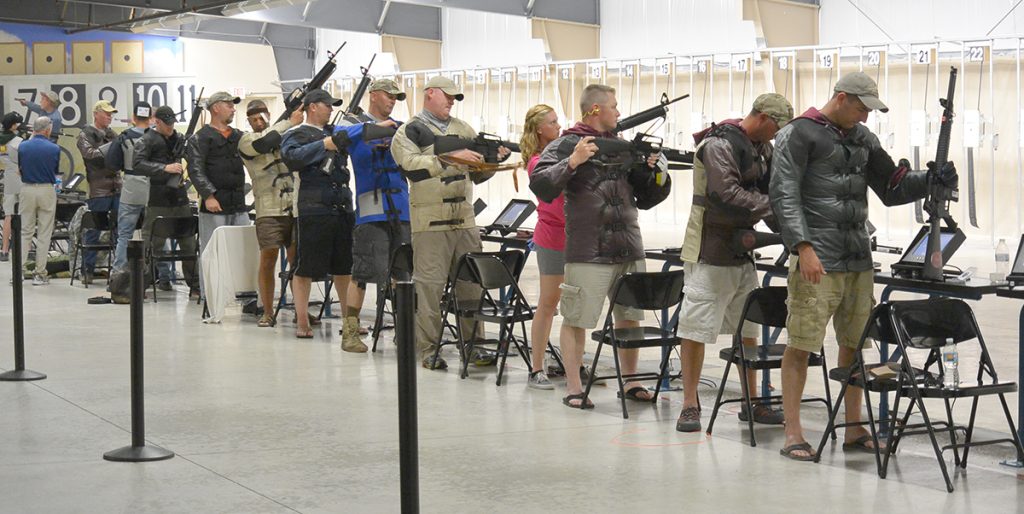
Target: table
pixel 230 264
pixel 1018 294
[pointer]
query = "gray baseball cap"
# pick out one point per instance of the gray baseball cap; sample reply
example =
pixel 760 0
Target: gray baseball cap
pixel 862 86
pixel 221 96
pixel 50 95
pixel 445 84
pixel 776 107
pixel 388 86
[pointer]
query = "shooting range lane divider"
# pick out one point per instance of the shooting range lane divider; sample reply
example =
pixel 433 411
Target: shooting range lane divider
pixel 19 373
pixel 139 451
pixel 408 437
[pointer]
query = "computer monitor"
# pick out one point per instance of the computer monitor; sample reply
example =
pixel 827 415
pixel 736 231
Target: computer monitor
pixel 513 215
pixel 950 240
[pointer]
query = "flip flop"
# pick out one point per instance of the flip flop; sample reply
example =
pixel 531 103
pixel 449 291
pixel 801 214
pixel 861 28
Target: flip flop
pixel 860 444
pixel 579 396
pixel 304 335
pixel 633 393
pixel 787 452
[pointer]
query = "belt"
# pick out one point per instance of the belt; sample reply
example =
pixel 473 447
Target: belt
pixel 454 199
pixel 453 178
pixel 457 221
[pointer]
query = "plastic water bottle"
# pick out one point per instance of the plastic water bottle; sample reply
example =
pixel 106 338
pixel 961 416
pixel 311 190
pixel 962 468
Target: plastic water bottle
pixel 950 362
pixel 58 184
pixel 1002 260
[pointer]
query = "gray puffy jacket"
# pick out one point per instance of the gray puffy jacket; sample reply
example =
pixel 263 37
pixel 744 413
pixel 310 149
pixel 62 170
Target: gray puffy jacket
pixel 818 191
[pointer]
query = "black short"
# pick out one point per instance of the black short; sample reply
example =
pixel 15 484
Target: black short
pixel 325 245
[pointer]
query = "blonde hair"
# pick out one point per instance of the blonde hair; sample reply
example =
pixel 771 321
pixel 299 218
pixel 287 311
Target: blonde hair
pixel 529 144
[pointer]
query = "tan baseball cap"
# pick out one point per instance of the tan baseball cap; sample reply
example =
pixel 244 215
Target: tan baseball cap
pixel 775 106
pixel 445 84
pixel 862 86
pixel 50 95
pixel 221 96
pixel 388 86
pixel 104 106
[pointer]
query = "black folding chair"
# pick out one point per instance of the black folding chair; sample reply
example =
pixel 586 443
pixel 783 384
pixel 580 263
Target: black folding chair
pixel 102 222
pixel 932 325
pixel 64 213
pixel 399 268
pixel 765 306
pixel 174 228
pixel 645 291
pixel 491 271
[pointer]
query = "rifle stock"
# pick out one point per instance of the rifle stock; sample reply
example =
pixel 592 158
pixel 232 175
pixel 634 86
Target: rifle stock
pixel 485 144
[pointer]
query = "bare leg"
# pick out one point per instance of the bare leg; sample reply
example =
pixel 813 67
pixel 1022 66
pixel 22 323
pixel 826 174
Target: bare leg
pixel 341 288
pixel 571 341
pixel 7 234
pixel 268 263
pixel 540 331
pixel 354 300
pixel 794 377
pixel 751 374
pixel 853 399
pixel 300 289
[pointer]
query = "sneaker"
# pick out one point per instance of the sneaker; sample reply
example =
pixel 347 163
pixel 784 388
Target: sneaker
pixel 538 380
pixel 764 415
pixel 437 363
pixel 5 256
pixel 40 280
pixel 164 285
pixel 689 420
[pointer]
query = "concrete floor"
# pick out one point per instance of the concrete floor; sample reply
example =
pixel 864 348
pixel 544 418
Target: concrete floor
pixel 262 422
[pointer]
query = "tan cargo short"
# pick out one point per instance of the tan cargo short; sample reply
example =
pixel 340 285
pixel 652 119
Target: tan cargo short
pixel 844 297
pixel 585 287
pixel 713 301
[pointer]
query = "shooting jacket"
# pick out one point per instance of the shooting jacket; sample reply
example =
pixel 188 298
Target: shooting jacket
pixel 273 186
pixel 152 152
pixel 730 192
pixel 819 180
pixel 103 181
pixel 216 169
pixel 323 174
pixel 601 201
pixel 440 196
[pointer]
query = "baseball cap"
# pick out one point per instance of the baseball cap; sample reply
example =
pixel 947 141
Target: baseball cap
pixel 221 96
pixel 104 106
pixel 11 120
pixel 143 110
pixel 775 106
pixel 445 84
pixel 166 115
pixel 320 96
pixel 51 96
pixel 862 86
pixel 388 86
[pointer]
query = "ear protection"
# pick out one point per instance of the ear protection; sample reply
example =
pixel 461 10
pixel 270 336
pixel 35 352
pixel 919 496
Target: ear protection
pixel 592 112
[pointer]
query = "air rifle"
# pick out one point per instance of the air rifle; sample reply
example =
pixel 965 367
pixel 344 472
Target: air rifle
pixel 936 203
pixel 658 111
pixel 484 144
pixel 178 153
pixel 294 100
pixel 357 97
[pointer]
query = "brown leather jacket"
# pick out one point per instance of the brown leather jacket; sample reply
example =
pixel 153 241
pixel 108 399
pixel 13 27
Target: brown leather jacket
pixel 601 201
pixel 730 192
pixel 102 180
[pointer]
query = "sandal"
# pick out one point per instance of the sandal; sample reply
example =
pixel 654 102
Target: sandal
pixel 313 320
pixel 633 393
pixel 579 396
pixel 304 334
pixel 266 321
pixel 860 444
pixel 787 452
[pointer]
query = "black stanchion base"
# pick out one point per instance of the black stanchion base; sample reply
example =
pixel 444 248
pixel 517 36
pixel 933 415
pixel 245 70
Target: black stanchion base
pixel 138 454
pixel 21 375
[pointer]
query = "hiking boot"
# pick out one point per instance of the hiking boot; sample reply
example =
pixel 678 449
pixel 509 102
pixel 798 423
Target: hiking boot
pixel 689 420
pixel 5 256
pixel 432 362
pixel 350 336
pixel 764 415
pixel 538 380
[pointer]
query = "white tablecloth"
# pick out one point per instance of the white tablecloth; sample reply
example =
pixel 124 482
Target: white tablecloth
pixel 230 265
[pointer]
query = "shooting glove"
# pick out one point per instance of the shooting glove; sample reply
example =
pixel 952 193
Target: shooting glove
pixel 946 175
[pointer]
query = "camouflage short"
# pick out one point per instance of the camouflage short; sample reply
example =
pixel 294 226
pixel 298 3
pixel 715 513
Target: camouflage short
pixel 844 297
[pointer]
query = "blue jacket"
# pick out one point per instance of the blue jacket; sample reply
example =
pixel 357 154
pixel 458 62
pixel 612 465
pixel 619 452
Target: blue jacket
pixel 380 187
pixel 39 160
pixel 323 185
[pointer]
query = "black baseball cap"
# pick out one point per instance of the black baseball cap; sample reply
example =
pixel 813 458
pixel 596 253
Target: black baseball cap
pixel 166 115
pixel 321 96
pixel 142 110
pixel 11 120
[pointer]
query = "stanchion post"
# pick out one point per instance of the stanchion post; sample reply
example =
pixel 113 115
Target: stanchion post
pixel 408 438
pixel 19 373
pixel 138 451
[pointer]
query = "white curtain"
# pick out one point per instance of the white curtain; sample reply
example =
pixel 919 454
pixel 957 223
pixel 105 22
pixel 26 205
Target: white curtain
pixel 879 21
pixel 633 28
pixel 478 39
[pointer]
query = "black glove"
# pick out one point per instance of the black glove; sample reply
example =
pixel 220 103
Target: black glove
pixel 341 140
pixel 946 175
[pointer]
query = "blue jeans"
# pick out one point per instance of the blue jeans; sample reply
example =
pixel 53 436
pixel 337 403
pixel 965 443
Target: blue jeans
pixel 127 218
pixel 104 204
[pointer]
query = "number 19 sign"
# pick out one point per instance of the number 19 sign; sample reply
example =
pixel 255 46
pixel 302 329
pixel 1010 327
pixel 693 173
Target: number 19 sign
pixel 78 93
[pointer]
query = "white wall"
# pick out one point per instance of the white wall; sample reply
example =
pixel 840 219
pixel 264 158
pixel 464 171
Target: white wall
pixel 635 28
pixel 478 39
pixel 841 22
pixel 359 48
